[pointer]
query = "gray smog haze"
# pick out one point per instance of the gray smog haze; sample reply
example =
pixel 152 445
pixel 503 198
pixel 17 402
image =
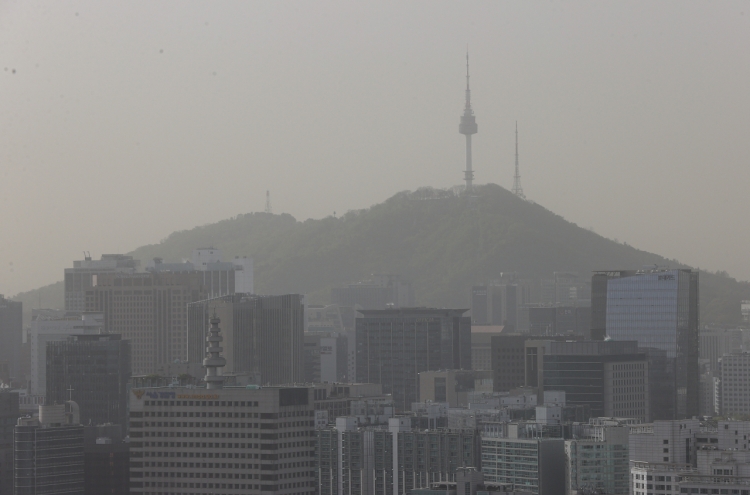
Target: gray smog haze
pixel 124 121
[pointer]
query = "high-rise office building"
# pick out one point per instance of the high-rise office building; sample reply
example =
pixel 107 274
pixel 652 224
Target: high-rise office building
pixel 377 292
pixel 559 320
pixel 610 377
pixel 106 461
pixel 498 303
pixel 715 342
pixel 8 415
pixel 659 309
pixel 48 452
pixel 735 384
pixel 263 335
pixel 508 362
pixel 338 319
pixel 93 371
pixel 84 274
pixel 218 277
pixel 228 440
pixel 11 338
pixel 150 310
pixel 395 345
pixel 511 366
pixel 481 346
pixel 326 356
pixel 51 327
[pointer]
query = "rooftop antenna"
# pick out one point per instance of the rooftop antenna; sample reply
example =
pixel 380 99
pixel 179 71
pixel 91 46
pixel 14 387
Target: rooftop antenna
pixel 517 189
pixel 70 392
pixel 268 202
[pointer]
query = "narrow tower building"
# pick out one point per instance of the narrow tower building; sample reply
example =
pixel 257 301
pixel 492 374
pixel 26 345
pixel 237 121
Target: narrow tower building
pixel 467 127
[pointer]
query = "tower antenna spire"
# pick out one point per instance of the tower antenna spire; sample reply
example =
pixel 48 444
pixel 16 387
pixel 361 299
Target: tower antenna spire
pixel 268 202
pixel 467 127
pixel 517 189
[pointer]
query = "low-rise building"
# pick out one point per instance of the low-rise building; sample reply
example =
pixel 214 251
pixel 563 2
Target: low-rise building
pixel 598 460
pixel 525 458
pixel 392 460
pixel 664 441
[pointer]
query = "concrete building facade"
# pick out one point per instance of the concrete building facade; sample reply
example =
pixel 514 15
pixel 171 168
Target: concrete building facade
pixel 263 335
pixel 395 345
pixel 222 441
pixel 734 384
pixel 533 464
pixel 150 310
pixel 387 461
pixel 598 460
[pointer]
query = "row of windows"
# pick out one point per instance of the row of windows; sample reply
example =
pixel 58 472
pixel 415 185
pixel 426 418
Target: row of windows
pixel 229 486
pixel 210 403
pixel 221 465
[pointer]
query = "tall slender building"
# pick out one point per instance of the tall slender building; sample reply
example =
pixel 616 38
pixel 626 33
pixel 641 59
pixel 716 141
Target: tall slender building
pixel 517 189
pixel 658 308
pixel 11 337
pixel 467 127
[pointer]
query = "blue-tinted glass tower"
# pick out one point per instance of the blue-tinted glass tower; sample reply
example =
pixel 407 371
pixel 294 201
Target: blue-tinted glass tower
pixel 659 309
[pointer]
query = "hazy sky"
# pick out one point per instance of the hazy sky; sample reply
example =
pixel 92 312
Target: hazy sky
pixel 121 122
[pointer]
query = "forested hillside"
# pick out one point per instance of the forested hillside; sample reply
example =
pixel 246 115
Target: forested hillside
pixel 438 243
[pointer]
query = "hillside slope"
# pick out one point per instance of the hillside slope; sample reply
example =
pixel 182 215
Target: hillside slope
pixel 440 245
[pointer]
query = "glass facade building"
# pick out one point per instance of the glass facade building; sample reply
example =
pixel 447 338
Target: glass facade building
pixel 11 328
pixel 92 370
pixel 659 309
pixel 49 460
pixel 610 377
pixel 395 345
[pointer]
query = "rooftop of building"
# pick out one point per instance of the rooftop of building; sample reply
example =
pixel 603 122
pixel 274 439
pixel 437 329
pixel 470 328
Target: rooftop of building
pixel 420 311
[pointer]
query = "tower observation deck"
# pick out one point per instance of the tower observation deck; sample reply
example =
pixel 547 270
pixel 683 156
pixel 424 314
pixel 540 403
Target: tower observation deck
pixel 467 127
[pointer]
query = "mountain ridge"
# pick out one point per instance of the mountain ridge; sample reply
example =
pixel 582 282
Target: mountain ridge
pixel 430 237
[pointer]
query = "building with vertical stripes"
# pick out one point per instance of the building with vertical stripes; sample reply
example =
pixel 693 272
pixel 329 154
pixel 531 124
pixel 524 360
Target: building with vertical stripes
pixel 263 335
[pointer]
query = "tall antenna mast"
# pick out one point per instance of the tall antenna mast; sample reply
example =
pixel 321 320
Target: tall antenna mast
pixel 517 189
pixel 467 127
pixel 268 202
